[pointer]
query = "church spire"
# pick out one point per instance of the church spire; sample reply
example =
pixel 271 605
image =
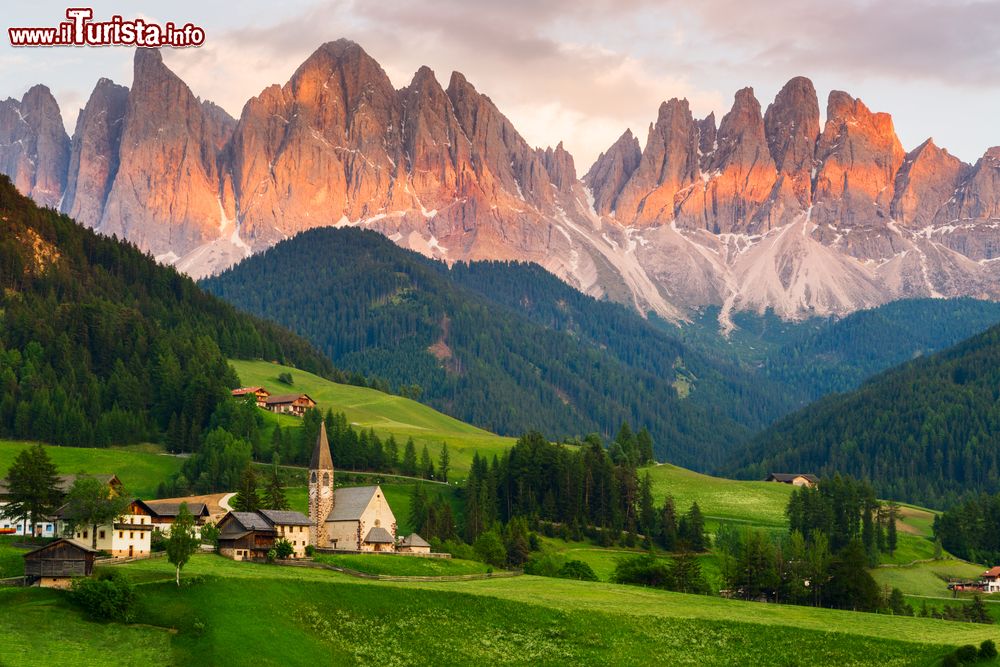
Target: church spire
pixel 321 459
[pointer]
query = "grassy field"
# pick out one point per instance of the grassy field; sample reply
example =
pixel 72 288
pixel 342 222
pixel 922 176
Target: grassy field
pixel 756 503
pixel 40 628
pixel 404 565
pixel 387 414
pixel 139 468
pixel 11 561
pixel 930 579
pixel 242 613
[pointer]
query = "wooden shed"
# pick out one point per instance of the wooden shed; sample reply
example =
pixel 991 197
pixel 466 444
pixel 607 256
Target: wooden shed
pixel 57 563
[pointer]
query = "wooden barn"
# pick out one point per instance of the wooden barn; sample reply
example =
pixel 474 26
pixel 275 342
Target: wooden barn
pixel 57 563
pixel 795 479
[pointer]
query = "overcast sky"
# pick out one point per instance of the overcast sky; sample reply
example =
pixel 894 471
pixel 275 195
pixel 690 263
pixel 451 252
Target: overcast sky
pixel 577 71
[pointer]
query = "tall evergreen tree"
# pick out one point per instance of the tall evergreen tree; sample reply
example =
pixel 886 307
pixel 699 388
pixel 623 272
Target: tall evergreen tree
pixel 32 487
pixel 409 466
pixel 274 493
pixel 444 462
pixel 426 464
pixel 246 498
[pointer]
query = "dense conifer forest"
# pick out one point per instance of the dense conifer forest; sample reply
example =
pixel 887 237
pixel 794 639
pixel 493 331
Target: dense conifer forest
pixel 927 432
pixel 101 345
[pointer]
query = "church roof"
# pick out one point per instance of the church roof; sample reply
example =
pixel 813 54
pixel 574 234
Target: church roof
pixel 321 459
pixel 350 502
pixel 379 535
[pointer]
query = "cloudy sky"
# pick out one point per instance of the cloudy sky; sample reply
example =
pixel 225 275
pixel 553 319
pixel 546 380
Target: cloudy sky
pixel 579 71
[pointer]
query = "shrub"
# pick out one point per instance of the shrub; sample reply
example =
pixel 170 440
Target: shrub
pixel 644 570
pixel 577 569
pixel 210 534
pixel 310 551
pixel 286 378
pixel 987 650
pixel 545 565
pixel 490 549
pixel 271 555
pixel 156 541
pixel 966 654
pixel 283 549
pixel 109 595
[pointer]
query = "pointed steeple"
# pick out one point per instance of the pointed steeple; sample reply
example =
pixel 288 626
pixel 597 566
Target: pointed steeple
pixel 321 458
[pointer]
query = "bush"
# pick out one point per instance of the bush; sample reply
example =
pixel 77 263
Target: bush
pixel 966 654
pixel 108 596
pixel 987 650
pixel 271 555
pixel 156 541
pixel 283 549
pixel 545 565
pixel 310 551
pixel 286 378
pixel 210 534
pixel 577 569
pixel 644 570
pixel 490 549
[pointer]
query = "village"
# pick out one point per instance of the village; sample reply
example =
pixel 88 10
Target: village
pixel 344 520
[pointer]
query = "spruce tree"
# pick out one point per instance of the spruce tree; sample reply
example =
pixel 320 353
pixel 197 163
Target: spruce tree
pixel 274 493
pixel 246 498
pixel 32 487
pixel 444 462
pixel 426 464
pixel 409 466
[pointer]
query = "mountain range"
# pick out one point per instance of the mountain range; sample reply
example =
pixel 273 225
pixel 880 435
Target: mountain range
pixel 761 210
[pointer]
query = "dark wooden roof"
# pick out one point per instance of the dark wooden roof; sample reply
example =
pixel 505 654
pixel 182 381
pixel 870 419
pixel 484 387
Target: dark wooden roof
pixel 59 548
pixel 172 508
pixel 286 398
pixel 790 476
pixel 285 518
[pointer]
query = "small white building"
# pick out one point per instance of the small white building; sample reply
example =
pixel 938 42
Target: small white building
pixel 991 580
pixel 129 536
pixel 414 544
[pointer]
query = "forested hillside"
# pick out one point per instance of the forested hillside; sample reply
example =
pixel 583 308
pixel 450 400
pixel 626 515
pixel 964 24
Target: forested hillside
pixel 101 345
pixel 928 431
pixel 820 356
pixel 507 347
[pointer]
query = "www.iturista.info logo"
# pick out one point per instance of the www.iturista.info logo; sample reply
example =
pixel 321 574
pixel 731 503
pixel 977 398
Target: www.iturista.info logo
pixel 81 30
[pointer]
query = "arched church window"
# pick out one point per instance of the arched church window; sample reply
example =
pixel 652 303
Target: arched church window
pixel 314 477
pixel 326 478
pixel 378 522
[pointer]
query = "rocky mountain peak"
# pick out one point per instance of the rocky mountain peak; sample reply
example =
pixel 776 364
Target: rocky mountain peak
pixel 791 124
pixel 608 175
pixel 926 180
pixel 34 146
pixel 95 152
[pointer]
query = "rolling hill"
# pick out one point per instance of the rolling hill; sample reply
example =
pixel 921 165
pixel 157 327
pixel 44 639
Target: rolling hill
pixel 507 347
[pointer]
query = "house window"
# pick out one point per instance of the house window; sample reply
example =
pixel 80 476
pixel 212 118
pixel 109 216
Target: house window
pixel 121 534
pixel 131 536
pixel 84 534
pixel 101 535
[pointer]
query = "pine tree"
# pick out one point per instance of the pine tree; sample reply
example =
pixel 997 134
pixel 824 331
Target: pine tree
pixel 444 462
pixel 274 493
pixel 418 509
pixel 32 487
pixel 246 498
pixel 647 511
pixel 409 466
pixel 891 537
pixel 426 464
pixel 645 444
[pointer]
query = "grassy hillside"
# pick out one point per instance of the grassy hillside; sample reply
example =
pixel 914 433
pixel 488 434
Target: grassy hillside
pixel 139 468
pixel 387 414
pixel 322 617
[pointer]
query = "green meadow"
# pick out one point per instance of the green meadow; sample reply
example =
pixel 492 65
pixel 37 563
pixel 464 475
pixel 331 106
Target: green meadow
pixel 140 468
pixel 322 617
pixel 387 414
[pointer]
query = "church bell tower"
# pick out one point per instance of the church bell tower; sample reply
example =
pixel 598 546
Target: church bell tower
pixel 320 488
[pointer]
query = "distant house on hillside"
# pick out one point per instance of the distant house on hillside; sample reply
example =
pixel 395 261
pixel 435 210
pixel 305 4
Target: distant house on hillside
pixel 795 479
pixel 250 535
pixel 259 393
pixel 50 526
pixel 991 580
pixel 290 404
pixel 57 563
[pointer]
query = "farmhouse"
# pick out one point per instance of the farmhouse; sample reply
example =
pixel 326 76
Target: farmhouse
pixel 259 393
pixel 795 479
pixel 290 404
pixel 991 580
pixel 250 535
pixel 163 513
pixel 50 526
pixel 348 519
pixel 55 564
pixel 129 536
